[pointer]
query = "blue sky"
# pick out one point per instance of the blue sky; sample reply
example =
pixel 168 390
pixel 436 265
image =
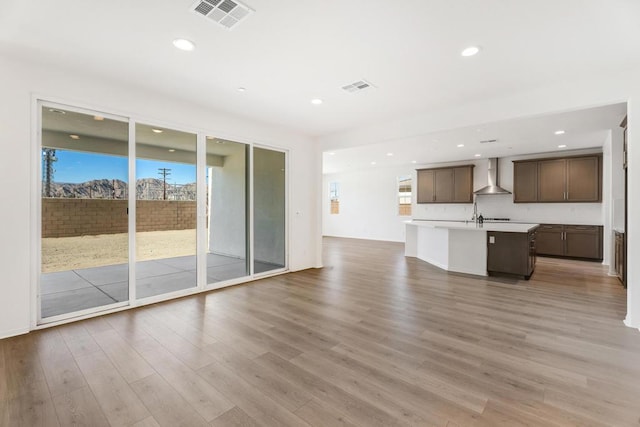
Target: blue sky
pixel 76 167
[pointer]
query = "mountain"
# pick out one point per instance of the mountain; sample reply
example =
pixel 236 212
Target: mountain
pixel 146 189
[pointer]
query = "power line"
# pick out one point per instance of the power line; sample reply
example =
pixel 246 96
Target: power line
pixel 47 170
pixel 164 172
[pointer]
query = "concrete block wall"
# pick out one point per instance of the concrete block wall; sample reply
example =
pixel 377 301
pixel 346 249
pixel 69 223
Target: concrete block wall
pixel 162 215
pixel 79 217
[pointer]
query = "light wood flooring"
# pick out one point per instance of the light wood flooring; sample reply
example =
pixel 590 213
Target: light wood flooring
pixel 373 339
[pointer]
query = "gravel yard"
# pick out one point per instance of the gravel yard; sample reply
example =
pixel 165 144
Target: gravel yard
pixel 70 253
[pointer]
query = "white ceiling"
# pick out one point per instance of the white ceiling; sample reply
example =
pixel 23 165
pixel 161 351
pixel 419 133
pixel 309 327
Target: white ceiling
pixel 583 129
pixel 290 51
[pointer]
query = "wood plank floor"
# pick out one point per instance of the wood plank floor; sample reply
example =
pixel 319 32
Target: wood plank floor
pixel 373 339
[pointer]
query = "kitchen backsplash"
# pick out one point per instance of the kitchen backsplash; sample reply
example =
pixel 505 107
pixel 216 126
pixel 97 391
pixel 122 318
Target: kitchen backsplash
pixel 502 206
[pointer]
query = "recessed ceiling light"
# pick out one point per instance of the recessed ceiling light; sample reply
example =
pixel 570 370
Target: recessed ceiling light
pixel 373 163
pixel 157 130
pixel 171 150
pixel 470 51
pixel 74 136
pixel 55 110
pixel 316 101
pixel 559 132
pixel 477 155
pixel 460 145
pixel 242 89
pixel 389 154
pixel 98 118
pixel 414 161
pixel 332 154
pixel 184 44
pixel 562 146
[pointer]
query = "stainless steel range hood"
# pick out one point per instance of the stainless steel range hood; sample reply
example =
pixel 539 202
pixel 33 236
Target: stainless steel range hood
pixel 493 186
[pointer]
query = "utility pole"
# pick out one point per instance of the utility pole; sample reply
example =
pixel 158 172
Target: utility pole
pixel 164 172
pixel 47 170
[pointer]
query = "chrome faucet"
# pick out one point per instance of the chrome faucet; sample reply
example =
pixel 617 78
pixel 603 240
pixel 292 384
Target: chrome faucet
pixel 474 217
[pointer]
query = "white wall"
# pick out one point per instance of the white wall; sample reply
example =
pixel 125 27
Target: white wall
pixel 368 205
pixel 368 202
pixel 617 180
pixel 20 81
pixel 228 206
pixel 633 212
pixel 584 91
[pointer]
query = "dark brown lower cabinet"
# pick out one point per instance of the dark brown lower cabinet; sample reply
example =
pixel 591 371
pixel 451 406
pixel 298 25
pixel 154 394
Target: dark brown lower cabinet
pixel 570 241
pixel 511 253
pixel 550 240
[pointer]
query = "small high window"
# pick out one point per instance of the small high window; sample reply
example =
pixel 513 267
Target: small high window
pixel 334 197
pixel 404 196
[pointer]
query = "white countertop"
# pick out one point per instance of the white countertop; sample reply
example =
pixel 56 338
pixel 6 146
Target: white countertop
pixel 472 226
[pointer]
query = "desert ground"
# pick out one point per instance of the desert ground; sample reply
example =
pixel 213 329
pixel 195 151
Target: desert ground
pixel 70 253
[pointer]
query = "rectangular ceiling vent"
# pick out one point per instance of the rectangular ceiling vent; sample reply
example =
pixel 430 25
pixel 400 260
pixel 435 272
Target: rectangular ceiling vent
pixel 227 13
pixel 358 86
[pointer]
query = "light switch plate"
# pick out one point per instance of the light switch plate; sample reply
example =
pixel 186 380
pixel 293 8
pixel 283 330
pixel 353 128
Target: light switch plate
pixel 492 239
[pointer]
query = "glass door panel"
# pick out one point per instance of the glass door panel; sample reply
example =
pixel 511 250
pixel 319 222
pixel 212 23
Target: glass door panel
pixel 165 210
pixel 84 223
pixel 269 204
pixel 227 218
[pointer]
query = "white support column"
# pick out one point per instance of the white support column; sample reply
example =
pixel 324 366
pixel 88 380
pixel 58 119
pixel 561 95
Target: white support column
pixel 633 210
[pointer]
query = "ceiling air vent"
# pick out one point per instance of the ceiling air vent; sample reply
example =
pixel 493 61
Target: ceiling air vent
pixel 227 13
pixel 358 86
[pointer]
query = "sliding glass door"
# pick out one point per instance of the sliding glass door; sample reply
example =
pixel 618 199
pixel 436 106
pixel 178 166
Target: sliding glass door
pixel 269 210
pixel 166 199
pixel 227 216
pixel 98 170
pixel 84 240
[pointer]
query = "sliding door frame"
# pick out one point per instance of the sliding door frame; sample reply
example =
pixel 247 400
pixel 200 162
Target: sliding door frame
pixel 40 101
pixel 36 215
pixel 287 195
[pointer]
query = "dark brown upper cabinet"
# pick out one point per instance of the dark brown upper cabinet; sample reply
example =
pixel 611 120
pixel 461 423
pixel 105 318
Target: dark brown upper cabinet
pixel 552 180
pixel 446 185
pixel 463 185
pixel 525 183
pixel 564 180
pixel 584 179
pixel 426 186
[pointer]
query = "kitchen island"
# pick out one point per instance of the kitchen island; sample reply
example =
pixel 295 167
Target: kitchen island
pixel 459 246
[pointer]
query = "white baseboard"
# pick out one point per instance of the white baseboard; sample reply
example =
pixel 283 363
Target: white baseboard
pixel 13 333
pixel 628 324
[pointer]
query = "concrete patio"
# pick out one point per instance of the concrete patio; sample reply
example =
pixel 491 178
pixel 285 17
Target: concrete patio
pixel 73 290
